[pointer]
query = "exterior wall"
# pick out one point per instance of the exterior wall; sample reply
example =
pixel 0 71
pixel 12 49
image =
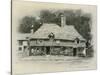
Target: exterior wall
pixel 56 43
pixel 23 48
pixel 56 47
pixel 65 51
pixel 34 51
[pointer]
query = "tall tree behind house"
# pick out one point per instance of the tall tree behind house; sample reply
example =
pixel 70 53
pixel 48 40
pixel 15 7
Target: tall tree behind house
pixel 27 22
pixel 73 17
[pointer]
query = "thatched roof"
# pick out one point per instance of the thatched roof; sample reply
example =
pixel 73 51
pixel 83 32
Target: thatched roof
pixel 67 32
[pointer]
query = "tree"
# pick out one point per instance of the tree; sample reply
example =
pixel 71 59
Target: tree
pixel 26 24
pixel 81 21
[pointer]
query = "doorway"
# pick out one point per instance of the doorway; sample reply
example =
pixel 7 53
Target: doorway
pixel 74 51
pixel 48 50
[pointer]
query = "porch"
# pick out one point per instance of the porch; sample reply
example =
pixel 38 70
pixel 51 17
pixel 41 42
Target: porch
pixel 55 51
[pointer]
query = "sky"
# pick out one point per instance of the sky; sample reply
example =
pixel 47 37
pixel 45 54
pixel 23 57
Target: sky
pixel 21 9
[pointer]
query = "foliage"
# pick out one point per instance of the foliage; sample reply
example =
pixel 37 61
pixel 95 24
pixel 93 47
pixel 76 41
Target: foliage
pixel 81 21
pixel 26 24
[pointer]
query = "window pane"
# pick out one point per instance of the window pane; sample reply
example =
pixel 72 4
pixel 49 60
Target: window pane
pixel 20 48
pixel 20 43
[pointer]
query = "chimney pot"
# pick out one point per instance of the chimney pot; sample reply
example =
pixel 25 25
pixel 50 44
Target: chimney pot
pixel 63 20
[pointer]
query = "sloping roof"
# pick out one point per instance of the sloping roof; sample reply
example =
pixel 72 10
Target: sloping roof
pixel 23 36
pixel 69 32
pixel 66 32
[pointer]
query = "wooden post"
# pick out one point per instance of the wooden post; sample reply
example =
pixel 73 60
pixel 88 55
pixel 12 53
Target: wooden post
pixel 45 50
pixel 84 51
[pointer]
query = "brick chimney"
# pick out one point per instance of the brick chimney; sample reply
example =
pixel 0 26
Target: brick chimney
pixel 32 30
pixel 63 20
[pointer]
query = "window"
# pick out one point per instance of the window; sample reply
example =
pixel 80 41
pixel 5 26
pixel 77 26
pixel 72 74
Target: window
pixel 25 47
pixel 25 43
pixel 51 36
pixel 39 41
pixel 20 48
pixel 20 43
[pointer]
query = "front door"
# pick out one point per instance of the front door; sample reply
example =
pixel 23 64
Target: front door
pixel 48 50
pixel 74 51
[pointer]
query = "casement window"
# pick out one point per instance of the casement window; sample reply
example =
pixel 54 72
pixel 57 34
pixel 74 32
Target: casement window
pixel 20 43
pixel 58 41
pixel 51 36
pixel 39 41
pixel 25 43
pixel 20 49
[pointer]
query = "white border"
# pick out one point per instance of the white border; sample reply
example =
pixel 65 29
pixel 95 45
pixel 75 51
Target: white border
pixel 5 35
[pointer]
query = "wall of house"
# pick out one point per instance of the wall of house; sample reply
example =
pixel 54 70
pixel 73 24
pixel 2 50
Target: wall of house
pixel 43 42
pixel 57 47
pixel 23 48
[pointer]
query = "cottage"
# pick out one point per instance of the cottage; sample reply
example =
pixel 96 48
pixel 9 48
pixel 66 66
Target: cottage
pixel 52 39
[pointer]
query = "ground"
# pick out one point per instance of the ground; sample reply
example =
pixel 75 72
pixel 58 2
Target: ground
pixel 49 58
pixel 40 64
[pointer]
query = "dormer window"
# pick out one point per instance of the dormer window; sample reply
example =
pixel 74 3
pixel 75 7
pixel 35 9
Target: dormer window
pixel 77 41
pixel 51 36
